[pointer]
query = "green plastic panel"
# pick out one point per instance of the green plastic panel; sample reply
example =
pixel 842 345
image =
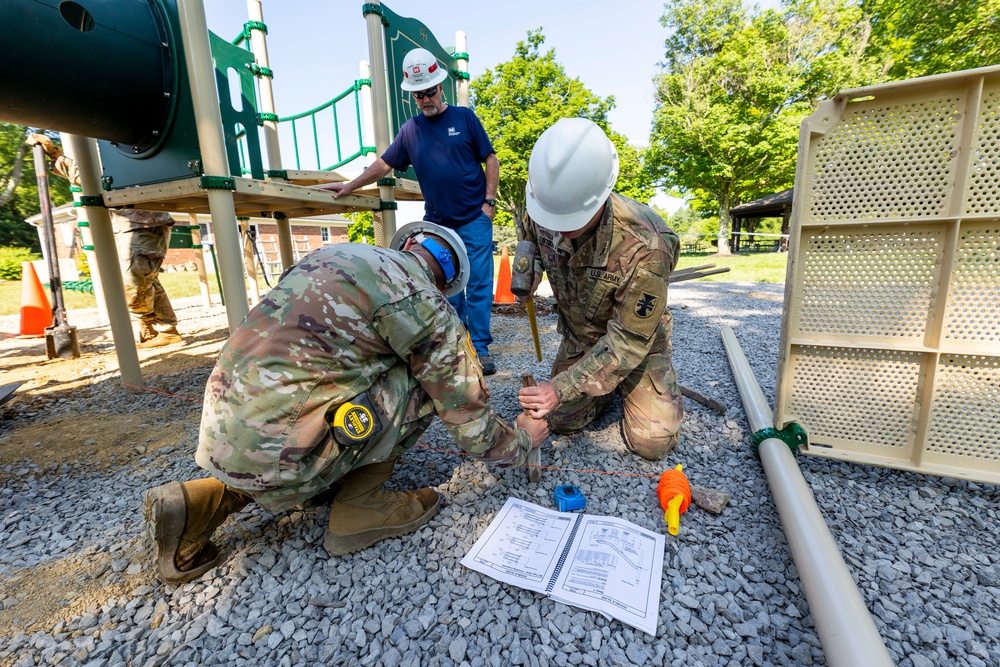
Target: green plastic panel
pixel 402 35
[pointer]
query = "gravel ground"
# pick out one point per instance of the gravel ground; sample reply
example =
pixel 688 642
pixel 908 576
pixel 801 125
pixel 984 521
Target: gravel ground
pixel 79 590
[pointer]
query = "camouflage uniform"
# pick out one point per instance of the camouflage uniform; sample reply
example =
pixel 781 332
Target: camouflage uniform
pixel 142 238
pixel 347 319
pixel 612 297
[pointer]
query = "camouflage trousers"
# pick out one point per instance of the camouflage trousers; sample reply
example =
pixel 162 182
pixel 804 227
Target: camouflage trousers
pixel 405 412
pixel 141 254
pixel 653 410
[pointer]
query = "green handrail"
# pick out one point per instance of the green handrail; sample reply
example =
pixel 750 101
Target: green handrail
pixel 313 114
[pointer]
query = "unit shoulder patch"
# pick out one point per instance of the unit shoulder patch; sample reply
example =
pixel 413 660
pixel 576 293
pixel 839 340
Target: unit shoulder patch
pixel 644 303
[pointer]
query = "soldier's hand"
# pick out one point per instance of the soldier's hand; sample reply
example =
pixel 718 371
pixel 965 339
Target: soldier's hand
pixel 539 400
pixel 50 148
pixel 538 428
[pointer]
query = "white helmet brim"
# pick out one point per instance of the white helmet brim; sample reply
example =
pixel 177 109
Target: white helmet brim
pixel 409 230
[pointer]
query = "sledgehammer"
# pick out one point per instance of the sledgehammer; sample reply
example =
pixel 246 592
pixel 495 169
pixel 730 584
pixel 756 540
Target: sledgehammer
pixel 521 281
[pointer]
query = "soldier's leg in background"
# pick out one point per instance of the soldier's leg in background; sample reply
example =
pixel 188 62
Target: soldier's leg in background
pixel 133 269
pixel 651 424
pixel 574 415
pixel 154 243
pixel 164 319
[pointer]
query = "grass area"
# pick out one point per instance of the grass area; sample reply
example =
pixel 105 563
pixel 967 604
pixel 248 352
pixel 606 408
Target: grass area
pixel 757 267
pixel 760 267
pixel 177 284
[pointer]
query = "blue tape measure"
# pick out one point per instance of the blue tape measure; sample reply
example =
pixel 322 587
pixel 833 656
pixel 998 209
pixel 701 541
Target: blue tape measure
pixel 568 498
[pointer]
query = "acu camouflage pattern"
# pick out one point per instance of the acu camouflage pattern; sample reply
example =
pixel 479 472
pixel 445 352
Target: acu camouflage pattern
pixel 611 297
pixel 141 253
pixel 142 238
pixel 346 319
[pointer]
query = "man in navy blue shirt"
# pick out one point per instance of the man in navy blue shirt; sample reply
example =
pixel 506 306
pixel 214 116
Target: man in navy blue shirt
pixel 447 147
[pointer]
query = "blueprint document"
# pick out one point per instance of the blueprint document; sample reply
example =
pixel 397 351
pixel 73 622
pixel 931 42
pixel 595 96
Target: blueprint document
pixel 604 564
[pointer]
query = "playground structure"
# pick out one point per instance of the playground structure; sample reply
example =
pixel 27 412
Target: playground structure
pixel 890 351
pixel 956 257
pixel 180 144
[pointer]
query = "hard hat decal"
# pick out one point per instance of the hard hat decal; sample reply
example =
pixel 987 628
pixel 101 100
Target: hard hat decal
pixel 434 66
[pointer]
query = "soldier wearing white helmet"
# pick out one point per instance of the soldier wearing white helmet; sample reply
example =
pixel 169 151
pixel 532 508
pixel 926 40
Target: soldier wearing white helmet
pixel 607 258
pixel 448 149
pixel 324 385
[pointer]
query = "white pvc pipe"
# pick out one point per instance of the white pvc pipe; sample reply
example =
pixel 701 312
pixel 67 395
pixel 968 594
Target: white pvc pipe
pixel 385 224
pixel 83 222
pixel 367 119
pixel 462 84
pixel 208 118
pixel 112 283
pixel 843 622
pixel 258 46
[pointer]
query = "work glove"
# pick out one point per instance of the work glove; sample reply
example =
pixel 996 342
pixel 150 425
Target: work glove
pixel 50 148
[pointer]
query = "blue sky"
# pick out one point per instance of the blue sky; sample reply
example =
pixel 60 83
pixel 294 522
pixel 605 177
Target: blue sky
pixel 314 46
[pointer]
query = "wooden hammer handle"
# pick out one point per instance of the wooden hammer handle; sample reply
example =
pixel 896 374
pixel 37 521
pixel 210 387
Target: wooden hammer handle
pixel 535 455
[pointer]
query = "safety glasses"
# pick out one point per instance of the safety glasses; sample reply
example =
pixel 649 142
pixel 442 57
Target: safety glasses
pixel 421 94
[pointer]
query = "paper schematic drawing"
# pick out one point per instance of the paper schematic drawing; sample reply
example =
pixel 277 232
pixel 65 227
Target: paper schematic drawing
pixel 604 564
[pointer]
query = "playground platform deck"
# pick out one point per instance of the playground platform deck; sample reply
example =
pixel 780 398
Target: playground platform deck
pixel 250 196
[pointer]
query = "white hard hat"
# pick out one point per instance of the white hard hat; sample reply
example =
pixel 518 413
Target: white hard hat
pixel 571 172
pixel 421 71
pixel 455 283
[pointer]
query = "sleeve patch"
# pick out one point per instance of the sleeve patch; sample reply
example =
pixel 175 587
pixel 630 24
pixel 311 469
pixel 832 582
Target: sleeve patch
pixel 644 303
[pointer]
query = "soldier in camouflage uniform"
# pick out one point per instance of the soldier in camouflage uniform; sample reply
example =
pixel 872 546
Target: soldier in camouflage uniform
pixel 142 239
pixel 607 258
pixel 350 331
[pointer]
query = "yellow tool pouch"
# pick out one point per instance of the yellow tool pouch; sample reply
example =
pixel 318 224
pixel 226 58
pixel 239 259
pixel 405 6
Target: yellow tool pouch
pixel 354 422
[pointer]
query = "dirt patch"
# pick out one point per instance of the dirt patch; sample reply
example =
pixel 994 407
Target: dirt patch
pixel 40 431
pixel 543 306
pixel 766 296
pixel 95 440
pixel 50 592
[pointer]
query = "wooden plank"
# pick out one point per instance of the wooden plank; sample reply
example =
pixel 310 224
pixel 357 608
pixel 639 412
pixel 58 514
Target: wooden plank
pixel 250 197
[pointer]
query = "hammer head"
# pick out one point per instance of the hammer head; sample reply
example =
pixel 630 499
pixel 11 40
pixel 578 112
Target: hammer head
pixel 522 275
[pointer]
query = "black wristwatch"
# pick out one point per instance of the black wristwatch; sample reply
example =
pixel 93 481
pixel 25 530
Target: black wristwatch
pixel 491 202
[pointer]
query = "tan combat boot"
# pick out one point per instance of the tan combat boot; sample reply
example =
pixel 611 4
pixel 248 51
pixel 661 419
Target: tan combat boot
pixel 146 331
pixel 364 513
pixel 160 338
pixel 180 519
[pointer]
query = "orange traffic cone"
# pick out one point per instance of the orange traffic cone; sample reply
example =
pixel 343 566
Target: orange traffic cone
pixel 504 295
pixel 36 313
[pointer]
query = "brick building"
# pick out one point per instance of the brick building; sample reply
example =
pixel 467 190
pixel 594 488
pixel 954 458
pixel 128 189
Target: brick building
pixel 307 234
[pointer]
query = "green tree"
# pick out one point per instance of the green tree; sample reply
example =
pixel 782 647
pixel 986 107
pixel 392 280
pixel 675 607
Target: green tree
pixel 19 189
pixel 735 86
pixel 519 99
pixel 911 39
pixel 362 229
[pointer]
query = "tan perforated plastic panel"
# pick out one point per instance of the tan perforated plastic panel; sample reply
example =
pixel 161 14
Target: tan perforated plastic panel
pixel 890 349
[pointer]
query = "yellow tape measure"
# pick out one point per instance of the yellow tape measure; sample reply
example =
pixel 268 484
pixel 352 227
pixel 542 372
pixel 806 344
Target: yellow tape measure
pixel 354 421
